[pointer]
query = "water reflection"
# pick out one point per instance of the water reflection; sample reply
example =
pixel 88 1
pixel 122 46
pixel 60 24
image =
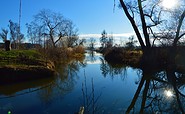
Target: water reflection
pixel 159 92
pixel 68 74
pixel 25 87
pixel 65 81
pixel 110 88
pixel 113 69
pixel 92 57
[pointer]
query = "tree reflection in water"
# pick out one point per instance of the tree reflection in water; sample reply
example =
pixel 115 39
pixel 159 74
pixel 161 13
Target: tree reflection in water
pixel 91 56
pixel 65 82
pixel 113 69
pixel 159 92
pixel 90 99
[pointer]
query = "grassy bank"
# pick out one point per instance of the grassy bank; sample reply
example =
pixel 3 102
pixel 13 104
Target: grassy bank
pixel 20 57
pixel 23 65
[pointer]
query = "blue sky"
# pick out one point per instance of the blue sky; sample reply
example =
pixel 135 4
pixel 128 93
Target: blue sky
pixel 89 16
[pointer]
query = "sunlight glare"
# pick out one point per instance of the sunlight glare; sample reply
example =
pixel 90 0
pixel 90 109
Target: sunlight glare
pixel 169 4
pixel 168 93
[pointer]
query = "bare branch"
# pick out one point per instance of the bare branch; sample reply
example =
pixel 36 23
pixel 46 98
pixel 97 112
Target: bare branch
pixel 178 28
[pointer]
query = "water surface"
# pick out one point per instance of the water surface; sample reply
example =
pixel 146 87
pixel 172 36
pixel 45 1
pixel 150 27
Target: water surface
pixel 92 83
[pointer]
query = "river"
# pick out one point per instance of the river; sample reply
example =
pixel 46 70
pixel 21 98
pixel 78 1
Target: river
pixel 92 83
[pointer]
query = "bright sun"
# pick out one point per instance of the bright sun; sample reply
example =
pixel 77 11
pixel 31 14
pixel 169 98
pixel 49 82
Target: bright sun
pixel 169 4
pixel 168 93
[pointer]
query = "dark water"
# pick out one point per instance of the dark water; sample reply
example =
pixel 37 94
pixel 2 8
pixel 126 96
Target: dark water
pixel 92 83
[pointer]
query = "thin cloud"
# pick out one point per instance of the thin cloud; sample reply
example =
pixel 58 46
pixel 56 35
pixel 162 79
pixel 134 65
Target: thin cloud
pixel 99 35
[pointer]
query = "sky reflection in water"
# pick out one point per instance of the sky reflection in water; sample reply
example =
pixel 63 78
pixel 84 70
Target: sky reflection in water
pixel 78 84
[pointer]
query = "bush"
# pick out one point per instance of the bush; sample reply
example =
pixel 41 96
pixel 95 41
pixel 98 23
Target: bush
pixel 114 55
pixel 119 55
pixel 79 49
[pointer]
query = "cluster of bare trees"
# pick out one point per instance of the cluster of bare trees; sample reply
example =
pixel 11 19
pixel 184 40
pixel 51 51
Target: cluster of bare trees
pixel 52 29
pixel 48 29
pixel 16 37
pixel 151 21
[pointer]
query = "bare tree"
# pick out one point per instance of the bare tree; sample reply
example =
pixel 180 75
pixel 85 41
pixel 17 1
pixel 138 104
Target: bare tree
pixel 15 36
pixel 4 34
pixel 54 26
pixel 71 34
pixel 150 15
pixel 81 41
pixel 172 29
pixel 31 34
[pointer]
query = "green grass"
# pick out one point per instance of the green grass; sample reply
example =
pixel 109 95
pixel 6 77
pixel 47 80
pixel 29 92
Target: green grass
pixel 16 57
pixel 16 53
pixel 23 65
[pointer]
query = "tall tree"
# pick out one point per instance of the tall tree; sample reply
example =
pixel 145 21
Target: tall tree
pixel 15 35
pixel 31 35
pixel 103 39
pixel 150 15
pixel 3 36
pixel 54 26
pixel 131 16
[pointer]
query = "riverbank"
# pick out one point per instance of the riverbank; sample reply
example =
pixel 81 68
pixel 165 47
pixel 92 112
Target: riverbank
pixel 122 56
pixel 23 65
pixel 14 74
pixel 157 58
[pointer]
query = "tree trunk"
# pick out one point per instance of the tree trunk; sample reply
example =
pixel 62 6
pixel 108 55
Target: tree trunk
pixel 133 24
pixel 7 45
pixel 144 27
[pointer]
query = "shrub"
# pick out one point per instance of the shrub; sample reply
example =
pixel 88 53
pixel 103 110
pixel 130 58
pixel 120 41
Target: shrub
pixel 79 49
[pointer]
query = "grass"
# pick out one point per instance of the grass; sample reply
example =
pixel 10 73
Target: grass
pixel 16 53
pixel 21 57
pixel 23 65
